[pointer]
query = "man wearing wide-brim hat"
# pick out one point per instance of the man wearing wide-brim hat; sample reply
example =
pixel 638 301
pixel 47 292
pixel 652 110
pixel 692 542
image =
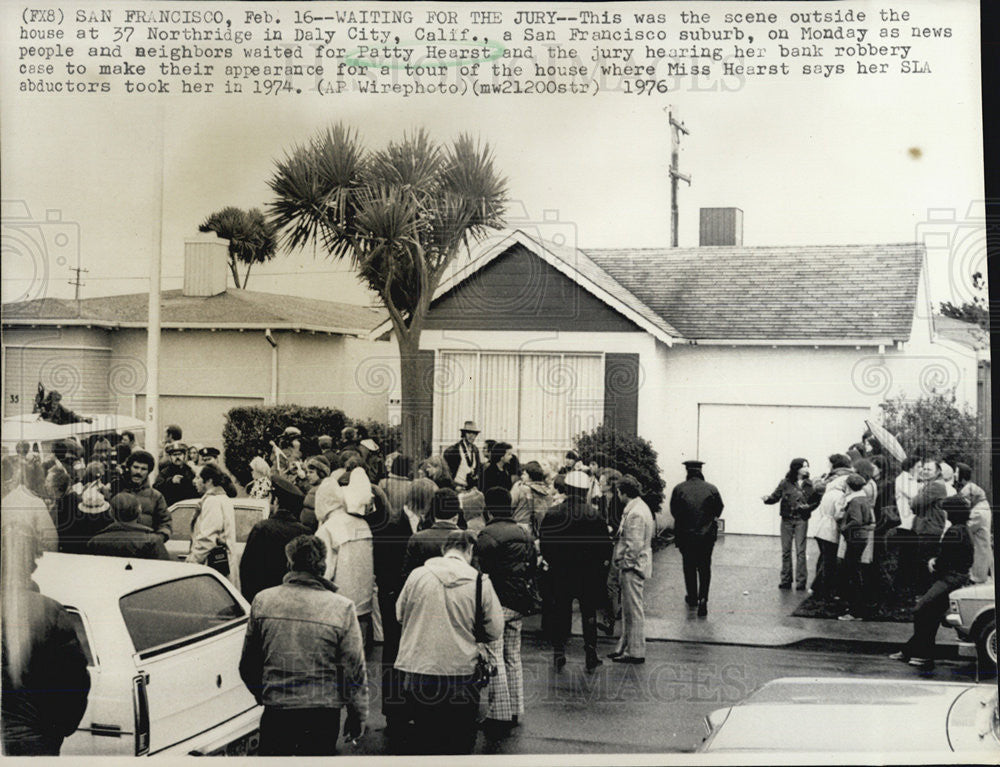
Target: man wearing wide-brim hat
pixel 463 458
pixel 696 507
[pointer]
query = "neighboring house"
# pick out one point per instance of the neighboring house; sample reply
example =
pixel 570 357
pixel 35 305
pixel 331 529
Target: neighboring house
pixel 214 351
pixel 743 357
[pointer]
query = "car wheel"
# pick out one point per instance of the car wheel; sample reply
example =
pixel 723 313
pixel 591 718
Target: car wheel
pixel 986 645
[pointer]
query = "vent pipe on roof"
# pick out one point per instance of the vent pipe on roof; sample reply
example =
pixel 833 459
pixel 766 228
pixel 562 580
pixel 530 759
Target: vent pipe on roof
pixel 720 227
pixel 205 270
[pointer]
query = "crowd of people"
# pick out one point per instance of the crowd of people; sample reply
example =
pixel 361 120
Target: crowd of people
pixel 886 530
pixel 443 559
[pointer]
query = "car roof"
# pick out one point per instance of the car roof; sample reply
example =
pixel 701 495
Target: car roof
pixel 840 715
pixel 71 578
pixel 32 427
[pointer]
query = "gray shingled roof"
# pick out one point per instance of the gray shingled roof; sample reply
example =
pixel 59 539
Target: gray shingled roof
pixel 577 259
pixel 234 307
pixel 796 292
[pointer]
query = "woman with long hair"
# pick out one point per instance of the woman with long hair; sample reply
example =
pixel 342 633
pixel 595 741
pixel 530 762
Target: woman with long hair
pixel 213 527
pixel 795 491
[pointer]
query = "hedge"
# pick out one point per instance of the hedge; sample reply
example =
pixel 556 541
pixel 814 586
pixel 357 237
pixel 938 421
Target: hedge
pixel 248 432
pixel 629 454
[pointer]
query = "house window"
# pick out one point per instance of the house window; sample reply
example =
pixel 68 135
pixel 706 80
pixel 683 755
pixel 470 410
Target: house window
pixel 536 402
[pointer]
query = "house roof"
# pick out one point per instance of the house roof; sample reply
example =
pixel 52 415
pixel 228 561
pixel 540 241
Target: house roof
pixel 826 292
pixel 570 261
pixel 232 309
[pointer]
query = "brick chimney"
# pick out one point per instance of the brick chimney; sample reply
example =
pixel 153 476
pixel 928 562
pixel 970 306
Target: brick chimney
pixel 720 227
pixel 205 265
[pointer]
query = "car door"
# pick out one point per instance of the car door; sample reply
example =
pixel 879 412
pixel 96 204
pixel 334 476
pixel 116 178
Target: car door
pixel 188 637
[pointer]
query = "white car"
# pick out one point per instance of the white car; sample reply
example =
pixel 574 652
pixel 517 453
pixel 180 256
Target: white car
pixel 248 511
pixel 806 715
pixel 972 612
pixel 163 642
pixel 41 434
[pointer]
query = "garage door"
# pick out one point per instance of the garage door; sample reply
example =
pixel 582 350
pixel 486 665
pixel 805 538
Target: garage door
pixel 201 418
pixel 79 374
pixel 747 449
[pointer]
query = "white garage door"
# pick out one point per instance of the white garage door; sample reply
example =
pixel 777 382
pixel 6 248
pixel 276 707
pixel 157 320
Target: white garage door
pixel 201 418
pixel 747 449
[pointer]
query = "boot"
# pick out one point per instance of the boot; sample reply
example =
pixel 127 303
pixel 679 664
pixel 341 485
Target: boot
pixel 559 659
pixel 702 608
pixel 592 660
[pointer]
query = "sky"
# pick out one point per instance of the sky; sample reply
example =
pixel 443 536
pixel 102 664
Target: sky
pixel 808 160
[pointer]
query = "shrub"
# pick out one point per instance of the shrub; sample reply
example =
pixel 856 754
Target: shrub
pixel 933 425
pixel 629 454
pixel 249 431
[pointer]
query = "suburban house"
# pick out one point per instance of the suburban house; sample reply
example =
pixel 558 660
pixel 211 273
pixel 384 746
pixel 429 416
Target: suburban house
pixel 219 348
pixel 743 357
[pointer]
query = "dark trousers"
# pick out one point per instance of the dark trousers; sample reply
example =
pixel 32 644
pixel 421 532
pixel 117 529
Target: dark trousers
pixel 851 586
pixel 589 591
pixel 299 731
pixel 444 710
pixel 696 554
pixel 826 568
pixel 927 615
pixel 908 576
pixel 393 700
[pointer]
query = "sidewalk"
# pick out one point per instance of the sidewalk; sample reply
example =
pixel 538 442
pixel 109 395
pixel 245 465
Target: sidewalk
pixel 745 605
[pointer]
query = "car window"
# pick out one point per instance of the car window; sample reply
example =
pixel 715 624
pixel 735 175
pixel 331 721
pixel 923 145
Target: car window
pixel 173 611
pixel 182 513
pixel 81 634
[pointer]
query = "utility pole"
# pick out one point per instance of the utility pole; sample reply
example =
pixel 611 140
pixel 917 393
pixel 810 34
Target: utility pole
pixel 77 282
pixel 676 129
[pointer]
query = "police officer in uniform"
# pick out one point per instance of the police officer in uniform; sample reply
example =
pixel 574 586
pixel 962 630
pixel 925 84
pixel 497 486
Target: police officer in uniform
pixel 696 507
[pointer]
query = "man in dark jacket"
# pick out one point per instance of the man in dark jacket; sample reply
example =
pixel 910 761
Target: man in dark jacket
pixel 303 659
pixel 696 507
pixel 176 479
pixel 153 511
pixel 463 459
pixel 390 535
pixel 576 546
pixel 45 678
pixel 506 553
pixel 125 537
pixel 264 563
pixel 445 509
pixel 950 569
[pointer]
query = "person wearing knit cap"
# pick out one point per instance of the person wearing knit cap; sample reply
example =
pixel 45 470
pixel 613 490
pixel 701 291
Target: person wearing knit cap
pixel 126 537
pixel 696 506
pixel 263 563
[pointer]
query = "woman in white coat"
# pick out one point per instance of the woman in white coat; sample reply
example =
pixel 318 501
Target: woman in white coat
pixel 215 522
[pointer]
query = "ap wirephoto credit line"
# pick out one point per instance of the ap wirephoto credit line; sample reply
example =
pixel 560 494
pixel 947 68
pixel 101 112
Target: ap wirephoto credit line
pixel 561 382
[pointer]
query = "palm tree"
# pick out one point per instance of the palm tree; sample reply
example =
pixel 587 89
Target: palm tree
pixel 251 238
pixel 400 215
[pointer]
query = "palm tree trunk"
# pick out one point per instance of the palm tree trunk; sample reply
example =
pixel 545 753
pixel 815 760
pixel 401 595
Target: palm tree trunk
pixel 246 276
pixel 416 403
pixel 235 271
